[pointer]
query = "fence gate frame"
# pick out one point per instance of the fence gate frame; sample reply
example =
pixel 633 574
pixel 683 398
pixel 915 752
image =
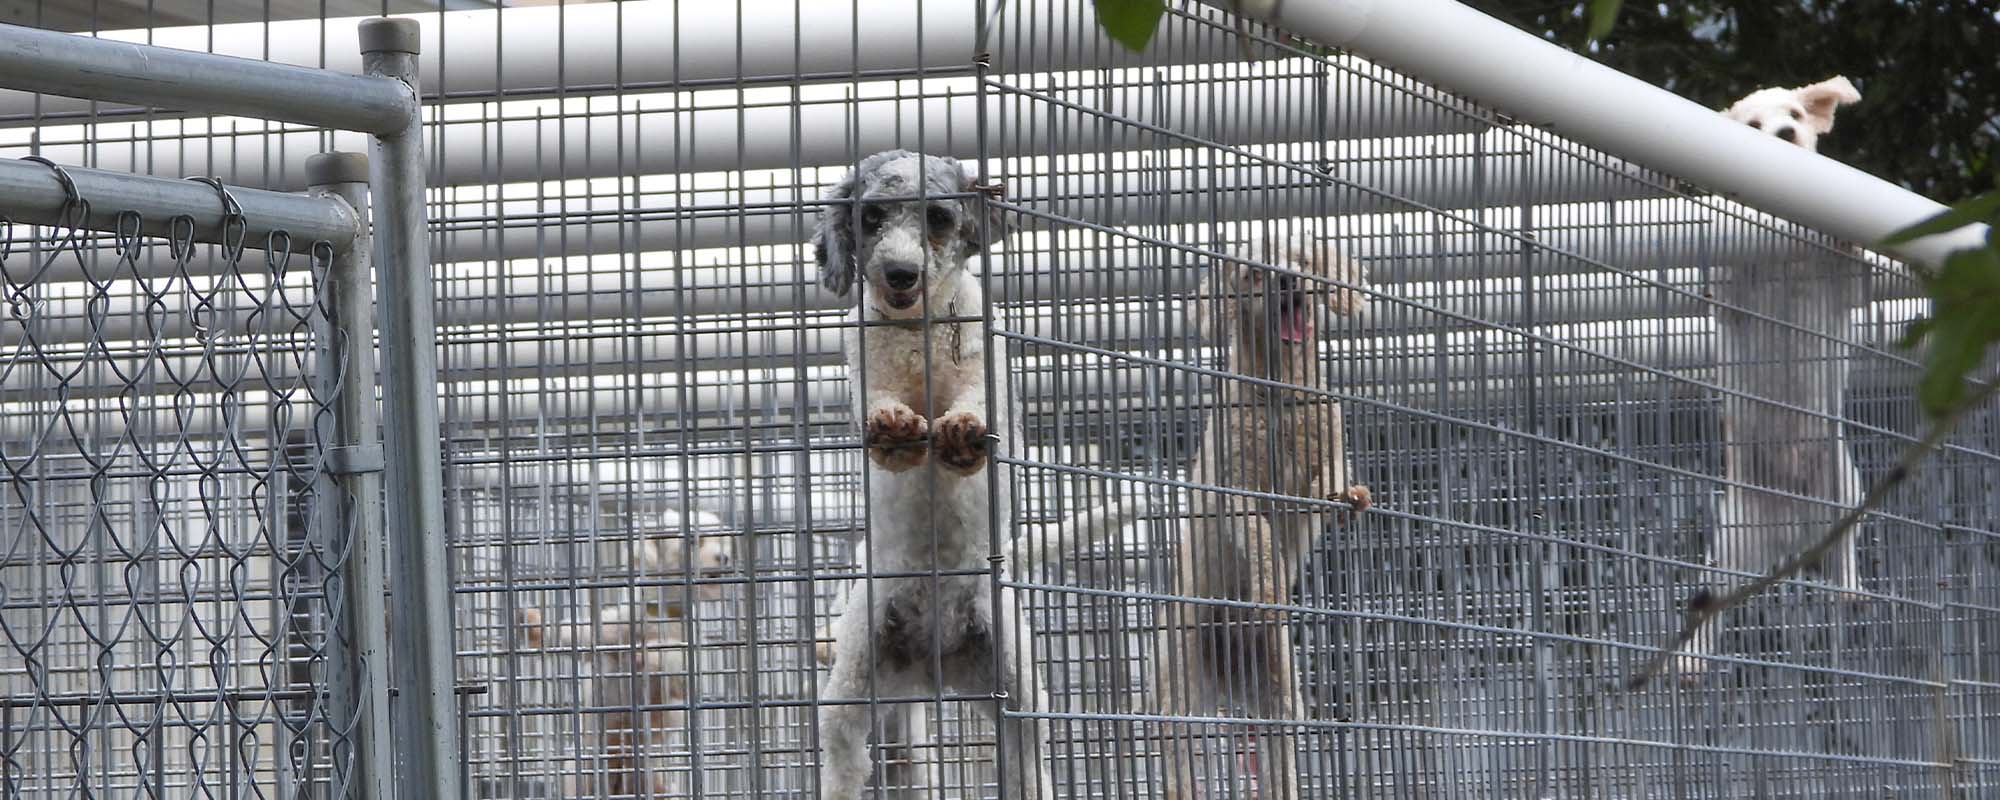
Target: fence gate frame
pixel 384 102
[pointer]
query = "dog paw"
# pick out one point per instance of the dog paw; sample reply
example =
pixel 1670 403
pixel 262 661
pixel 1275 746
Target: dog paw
pixel 529 620
pixel 960 441
pixel 1358 497
pixel 823 646
pixel 894 436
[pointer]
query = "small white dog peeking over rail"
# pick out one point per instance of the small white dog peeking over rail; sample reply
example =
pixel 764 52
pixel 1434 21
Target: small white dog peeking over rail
pixel 1800 115
pixel 1783 334
pixel 903 226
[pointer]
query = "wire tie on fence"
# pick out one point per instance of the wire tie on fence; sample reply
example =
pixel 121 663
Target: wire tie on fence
pixel 62 176
pixel 354 459
pixel 982 55
pixel 991 188
pixel 234 224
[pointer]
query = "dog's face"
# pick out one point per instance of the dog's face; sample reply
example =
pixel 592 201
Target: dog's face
pixel 710 552
pixel 1799 116
pixel 903 249
pixel 1260 309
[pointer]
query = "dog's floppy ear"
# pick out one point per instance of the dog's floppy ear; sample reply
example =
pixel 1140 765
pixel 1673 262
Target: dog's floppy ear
pixel 833 240
pixel 1820 100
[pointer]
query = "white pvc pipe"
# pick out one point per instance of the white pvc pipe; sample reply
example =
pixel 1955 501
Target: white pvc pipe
pixel 653 141
pixel 576 48
pixel 1574 288
pixel 1391 331
pixel 1457 48
pixel 1396 370
pixel 1453 173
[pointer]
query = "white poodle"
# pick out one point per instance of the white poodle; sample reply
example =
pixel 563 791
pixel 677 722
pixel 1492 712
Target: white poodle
pixel 905 227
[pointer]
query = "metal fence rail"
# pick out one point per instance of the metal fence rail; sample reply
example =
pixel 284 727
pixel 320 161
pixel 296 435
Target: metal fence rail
pixel 654 494
pixel 192 578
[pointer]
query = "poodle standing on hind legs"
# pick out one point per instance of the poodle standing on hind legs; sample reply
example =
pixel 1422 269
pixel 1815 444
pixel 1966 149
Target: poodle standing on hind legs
pixel 1271 440
pixel 901 227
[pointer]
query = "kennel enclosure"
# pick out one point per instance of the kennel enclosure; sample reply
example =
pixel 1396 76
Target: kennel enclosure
pixel 631 348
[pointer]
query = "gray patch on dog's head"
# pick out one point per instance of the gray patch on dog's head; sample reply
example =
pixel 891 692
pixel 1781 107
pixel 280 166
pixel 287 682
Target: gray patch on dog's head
pixel 842 257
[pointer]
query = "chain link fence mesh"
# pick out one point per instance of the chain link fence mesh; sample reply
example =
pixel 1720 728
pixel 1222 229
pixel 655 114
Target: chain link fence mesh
pixel 173 541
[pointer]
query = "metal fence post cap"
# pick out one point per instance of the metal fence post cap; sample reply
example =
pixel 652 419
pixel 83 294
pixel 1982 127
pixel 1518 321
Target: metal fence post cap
pixel 391 35
pixel 324 169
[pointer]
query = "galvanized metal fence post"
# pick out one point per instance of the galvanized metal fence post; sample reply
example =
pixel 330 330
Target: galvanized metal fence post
pixel 424 710
pixel 359 683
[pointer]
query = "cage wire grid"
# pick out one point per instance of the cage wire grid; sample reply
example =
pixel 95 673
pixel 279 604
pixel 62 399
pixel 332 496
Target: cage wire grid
pixel 655 484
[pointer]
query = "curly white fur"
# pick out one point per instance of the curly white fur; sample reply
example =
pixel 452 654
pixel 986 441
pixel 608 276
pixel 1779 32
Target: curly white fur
pixel 919 384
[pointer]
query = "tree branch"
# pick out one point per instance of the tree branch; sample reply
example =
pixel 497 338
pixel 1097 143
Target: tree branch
pixel 1700 613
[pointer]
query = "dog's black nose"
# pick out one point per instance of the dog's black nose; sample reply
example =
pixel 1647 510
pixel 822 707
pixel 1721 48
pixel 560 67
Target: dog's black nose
pixel 901 275
pixel 1789 134
pixel 1286 281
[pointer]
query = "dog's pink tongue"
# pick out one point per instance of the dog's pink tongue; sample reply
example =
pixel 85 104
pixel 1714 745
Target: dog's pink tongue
pixel 1295 326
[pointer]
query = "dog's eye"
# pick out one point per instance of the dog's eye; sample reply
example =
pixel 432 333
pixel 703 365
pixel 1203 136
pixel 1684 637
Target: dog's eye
pixel 871 217
pixel 1757 123
pixel 1796 116
pixel 940 220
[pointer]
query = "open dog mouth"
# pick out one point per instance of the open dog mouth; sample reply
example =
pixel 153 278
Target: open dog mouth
pixel 900 300
pixel 1295 323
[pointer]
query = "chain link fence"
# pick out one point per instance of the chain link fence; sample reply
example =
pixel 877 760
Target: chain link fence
pixel 175 545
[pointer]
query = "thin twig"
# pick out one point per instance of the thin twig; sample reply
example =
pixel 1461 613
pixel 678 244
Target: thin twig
pixel 1700 613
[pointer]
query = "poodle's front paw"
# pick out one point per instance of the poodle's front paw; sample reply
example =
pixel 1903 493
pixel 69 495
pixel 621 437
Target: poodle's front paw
pixel 961 443
pixel 529 620
pixel 1358 497
pixel 1345 302
pixel 823 646
pixel 895 437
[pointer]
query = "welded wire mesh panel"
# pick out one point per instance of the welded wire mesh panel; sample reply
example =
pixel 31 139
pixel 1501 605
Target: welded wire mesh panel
pixel 173 541
pixel 1580 391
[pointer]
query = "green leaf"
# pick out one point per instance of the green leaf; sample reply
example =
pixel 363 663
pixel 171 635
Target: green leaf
pixel 1602 14
pixel 1130 22
pixel 1914 335
pixel 1978 209
pixel 1965 320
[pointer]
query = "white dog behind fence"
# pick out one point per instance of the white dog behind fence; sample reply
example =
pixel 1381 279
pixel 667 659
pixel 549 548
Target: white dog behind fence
pixel 1782 352
pixel 629 646
pixel 917 355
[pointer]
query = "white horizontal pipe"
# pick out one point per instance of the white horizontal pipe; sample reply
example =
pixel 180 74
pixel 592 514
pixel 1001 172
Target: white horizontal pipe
pixel 1457 48
pixel 575 48
pixel 1569 289
pixel 1451 173
pixel 1132 196
pixel 653 142
pixel 1399 373
pixel 659 350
